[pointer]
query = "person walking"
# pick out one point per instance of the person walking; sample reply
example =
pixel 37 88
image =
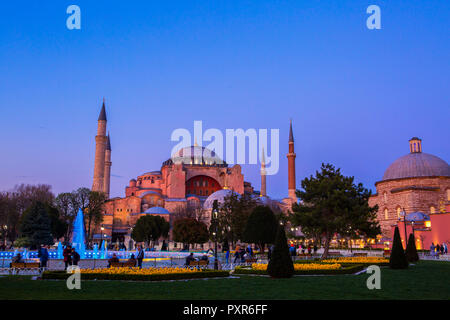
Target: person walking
pixel 140 256
pixel 43 256
pixel 75 257
pixel 67 254
pixel 227 256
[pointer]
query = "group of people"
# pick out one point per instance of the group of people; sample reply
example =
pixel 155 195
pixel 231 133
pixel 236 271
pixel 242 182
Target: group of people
pixel 71 257
pixel 240 254
pixel 190 258
pixel 438 249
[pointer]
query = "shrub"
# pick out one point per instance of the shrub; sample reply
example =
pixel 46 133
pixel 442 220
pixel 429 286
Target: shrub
pixel 398 257
pixel 411 251
pixel 280 264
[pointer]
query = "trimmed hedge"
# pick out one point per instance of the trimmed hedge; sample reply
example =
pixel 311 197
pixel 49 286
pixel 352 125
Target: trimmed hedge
pixel 349 269
pixel 62 275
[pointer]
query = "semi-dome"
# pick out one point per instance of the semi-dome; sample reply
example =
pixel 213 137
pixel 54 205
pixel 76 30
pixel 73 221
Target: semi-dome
pixel 417 216
pixel 219 196
pixel 417 164
pixel 156 210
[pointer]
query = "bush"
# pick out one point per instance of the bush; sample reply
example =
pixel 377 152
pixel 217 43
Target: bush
pixel 411 251
pixel 397 259
pixel 280 264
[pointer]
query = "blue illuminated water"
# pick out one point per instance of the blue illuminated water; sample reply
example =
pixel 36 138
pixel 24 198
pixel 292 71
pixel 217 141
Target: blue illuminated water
pixel 79 235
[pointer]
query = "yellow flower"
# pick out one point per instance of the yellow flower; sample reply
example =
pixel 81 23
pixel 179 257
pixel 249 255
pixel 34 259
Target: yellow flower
pixel 302 266
pixel 357 260
pixel 148 271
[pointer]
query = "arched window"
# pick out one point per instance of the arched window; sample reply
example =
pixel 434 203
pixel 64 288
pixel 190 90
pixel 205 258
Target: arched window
pixel 399 211
pixel 432 209
pixel 386 214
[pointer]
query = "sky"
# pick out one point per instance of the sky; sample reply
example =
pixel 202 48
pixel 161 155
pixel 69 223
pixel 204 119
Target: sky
pixel 355 96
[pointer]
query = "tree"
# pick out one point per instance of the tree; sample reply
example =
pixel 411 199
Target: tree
pixel 280 263
pixel 58 225
pixel 94 212
pixel 261 227
pixel 35 225
pixel 233 215
pixel 397 259
pixel 411 250
pixel 190 231
pixel 334 204
pixel 64 203
pixel 150 228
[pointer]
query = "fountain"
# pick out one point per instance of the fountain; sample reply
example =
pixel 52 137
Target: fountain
pixel 95 251
pixel 59 251
pixel 78 235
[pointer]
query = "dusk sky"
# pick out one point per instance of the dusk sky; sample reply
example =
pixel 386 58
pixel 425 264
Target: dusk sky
pixel 355 96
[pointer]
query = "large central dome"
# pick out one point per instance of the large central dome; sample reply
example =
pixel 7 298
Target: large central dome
pixel 196 155
pixel 417 164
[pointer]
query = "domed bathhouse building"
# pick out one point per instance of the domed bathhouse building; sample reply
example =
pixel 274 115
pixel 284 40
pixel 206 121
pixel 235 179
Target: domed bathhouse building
pixel 416 185
pixel 194 176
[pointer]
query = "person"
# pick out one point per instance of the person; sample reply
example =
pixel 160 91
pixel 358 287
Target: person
pixel 303 248
pixel 249 251
pixel 438 249
pixel 17 258
pixel 140 256
pixel 227 256
pixel 43 256
pixel 132 260
pixel 67 254
pixel 237 252
pixel 309 249
pixel 315 248
pixel 432 249
pixel 113 259
pixel 292 250
pixel 189 259
pixel 242 255
pixel 442 248
pixel 445 248
pixel 205 258
pixel 269 253
pixel 75 257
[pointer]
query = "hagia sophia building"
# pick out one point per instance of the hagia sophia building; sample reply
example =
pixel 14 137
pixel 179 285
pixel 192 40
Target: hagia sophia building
pixel 416 186
pixel 194 176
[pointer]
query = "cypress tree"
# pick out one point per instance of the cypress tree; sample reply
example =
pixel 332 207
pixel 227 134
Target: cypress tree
pixel 280 264
pixel 398 257
pixel 411 250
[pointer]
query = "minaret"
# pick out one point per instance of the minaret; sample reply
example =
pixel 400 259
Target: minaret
pixel 108 163
pixel 100 148
pixel 263 176
pixel 291 166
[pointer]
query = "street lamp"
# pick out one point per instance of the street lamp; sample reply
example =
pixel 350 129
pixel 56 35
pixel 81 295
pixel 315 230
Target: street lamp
pixel 412 226
pixel 215 214
pixel 403 214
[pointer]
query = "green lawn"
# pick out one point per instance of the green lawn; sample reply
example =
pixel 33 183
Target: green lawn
pixel 426 280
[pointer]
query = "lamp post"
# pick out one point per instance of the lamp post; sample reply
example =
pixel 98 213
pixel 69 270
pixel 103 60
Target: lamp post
pixel 412 226
pixel 403 214
pixel 215 214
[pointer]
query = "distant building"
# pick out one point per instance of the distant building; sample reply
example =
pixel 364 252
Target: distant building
pixel 419 185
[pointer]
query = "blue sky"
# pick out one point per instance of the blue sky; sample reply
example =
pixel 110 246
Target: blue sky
pixel 355 95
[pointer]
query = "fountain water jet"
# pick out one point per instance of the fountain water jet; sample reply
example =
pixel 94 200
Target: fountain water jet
pixel 78 235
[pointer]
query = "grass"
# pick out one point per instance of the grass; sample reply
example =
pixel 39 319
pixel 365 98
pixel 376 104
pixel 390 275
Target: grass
pixel 425 280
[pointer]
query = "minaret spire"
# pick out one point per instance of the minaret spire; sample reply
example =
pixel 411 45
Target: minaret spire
pixel 100 149
pixel 291 165
pixel 108 163
pixel 263 192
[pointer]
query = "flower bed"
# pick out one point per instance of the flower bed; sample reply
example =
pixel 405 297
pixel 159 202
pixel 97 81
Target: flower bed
pixel 347 261
pixel 305 269
pixel 136 274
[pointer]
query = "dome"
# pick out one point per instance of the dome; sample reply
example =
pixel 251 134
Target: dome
pixel 417 216
pixel 156 210
pixel 219 196
pixel 417 165
pixel 196 155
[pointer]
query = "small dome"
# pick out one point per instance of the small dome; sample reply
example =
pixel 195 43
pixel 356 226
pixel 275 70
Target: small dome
pixel 417 216
pixel 417 165
pixel 219 196
pixel 156 210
